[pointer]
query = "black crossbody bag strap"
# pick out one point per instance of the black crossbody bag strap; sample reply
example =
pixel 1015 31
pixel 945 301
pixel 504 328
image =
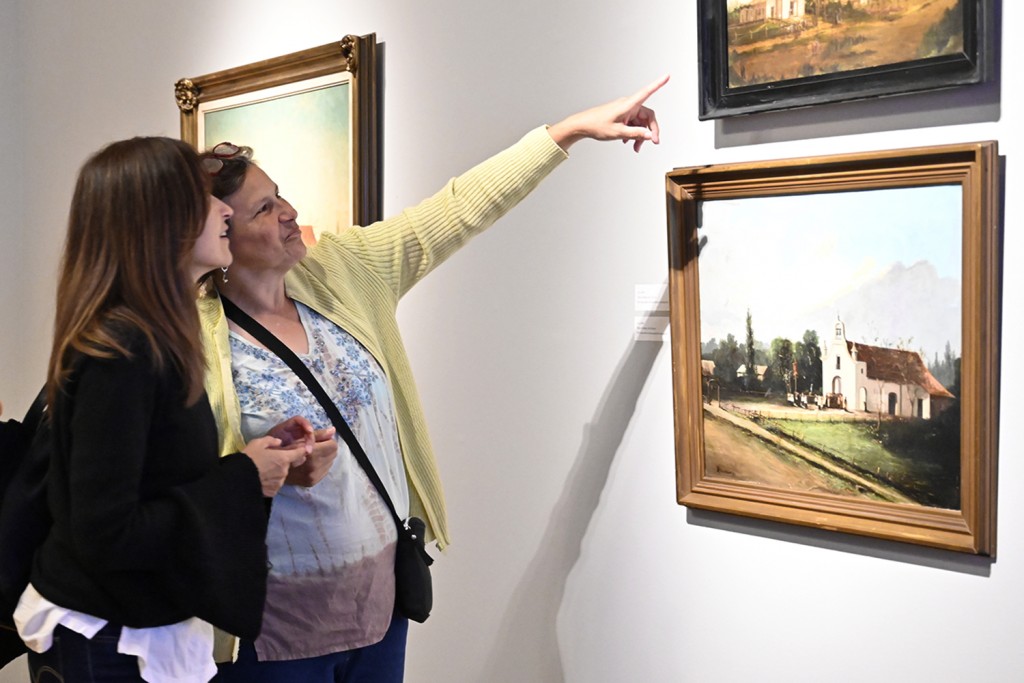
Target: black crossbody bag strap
pixel 267 338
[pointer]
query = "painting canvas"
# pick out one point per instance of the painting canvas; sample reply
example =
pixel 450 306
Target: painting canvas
pixel 311 118
pixel 844 378
pixel 834 334
pixel 312 161
pixel 777 40
pixel 760 55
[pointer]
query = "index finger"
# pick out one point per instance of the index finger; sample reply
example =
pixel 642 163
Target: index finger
pixel 641 95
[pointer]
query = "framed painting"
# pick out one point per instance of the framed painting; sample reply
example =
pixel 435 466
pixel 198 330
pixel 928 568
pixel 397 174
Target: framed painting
pixel 765 55
pixel 311 118
pixel 835 330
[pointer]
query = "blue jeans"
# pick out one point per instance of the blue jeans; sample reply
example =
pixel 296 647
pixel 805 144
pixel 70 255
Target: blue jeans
pixel 73 658
pixel 382 662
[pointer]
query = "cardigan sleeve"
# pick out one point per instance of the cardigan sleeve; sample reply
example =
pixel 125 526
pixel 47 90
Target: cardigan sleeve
pixel 403 249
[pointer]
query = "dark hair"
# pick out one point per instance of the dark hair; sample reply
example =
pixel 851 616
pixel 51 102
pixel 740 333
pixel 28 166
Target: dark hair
pixel 138 208
pixel 230 170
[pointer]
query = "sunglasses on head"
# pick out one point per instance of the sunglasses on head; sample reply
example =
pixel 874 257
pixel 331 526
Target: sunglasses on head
pixel 213 160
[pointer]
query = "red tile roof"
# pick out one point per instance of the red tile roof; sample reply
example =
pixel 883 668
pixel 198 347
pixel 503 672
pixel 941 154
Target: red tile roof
pixel 899 367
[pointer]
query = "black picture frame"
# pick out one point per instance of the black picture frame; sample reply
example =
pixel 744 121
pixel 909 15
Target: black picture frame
pixel 719 98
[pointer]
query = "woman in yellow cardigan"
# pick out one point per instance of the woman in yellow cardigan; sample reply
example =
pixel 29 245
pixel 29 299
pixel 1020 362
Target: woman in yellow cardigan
pixel 329 614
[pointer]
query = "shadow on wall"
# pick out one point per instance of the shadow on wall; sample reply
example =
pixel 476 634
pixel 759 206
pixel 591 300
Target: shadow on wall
pixel 527 639
pixel 973 104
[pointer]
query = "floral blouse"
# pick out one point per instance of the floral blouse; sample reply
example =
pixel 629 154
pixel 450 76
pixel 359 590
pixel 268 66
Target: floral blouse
pixel 331 546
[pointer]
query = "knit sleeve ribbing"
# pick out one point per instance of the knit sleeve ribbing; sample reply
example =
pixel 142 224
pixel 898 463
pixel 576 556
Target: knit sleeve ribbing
pixel 403 249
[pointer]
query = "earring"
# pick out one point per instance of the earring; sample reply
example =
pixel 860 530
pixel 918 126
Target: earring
pixel 224 275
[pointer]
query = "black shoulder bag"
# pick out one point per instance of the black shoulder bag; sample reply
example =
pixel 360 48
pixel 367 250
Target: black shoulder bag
pixel 25 520
pixel 413 591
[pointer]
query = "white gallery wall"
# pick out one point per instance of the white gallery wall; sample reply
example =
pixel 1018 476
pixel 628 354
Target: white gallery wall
pixel 571 559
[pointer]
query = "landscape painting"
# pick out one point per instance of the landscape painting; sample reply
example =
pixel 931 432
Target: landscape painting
pixel 835 341
pixel 765 55
pixel 777 40
pixel 839 371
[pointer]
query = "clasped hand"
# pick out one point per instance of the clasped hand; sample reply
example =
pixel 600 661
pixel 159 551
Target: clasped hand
pixel 292 452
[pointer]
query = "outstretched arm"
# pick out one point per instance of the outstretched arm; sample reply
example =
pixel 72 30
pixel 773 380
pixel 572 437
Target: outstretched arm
pixel 623 119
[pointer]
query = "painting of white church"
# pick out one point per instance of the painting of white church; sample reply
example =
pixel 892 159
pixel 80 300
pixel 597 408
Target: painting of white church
pixel 760 10
pixel 878 380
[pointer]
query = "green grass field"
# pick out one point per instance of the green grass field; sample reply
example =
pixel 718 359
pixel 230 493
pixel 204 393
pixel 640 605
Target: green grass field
pixel 921 467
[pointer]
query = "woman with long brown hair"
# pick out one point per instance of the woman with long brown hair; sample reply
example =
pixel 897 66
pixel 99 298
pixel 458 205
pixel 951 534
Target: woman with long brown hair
pixel 155 539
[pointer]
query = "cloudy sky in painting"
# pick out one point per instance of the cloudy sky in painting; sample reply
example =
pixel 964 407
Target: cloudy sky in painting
pixel 887 262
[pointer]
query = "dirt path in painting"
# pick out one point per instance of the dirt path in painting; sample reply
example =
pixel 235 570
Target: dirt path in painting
pixel 870 44
pixel 730 453
pixel 736 448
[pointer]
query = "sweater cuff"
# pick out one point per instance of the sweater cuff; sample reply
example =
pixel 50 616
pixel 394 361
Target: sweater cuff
pixel 545 144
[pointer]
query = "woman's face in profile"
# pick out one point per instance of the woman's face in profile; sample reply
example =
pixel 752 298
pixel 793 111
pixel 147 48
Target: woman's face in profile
pixel 264 232
pixel 212 248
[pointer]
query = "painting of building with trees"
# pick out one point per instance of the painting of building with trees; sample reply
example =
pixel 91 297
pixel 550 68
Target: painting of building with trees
pixel 830 351
pixel 777 40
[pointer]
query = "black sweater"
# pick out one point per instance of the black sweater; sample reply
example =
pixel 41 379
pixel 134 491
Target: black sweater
pixel 150 527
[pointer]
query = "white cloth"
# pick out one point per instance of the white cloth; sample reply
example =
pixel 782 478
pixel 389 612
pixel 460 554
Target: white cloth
pixel 177 653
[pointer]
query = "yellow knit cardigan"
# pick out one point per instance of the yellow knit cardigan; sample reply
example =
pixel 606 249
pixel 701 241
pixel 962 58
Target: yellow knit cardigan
pixel 356 279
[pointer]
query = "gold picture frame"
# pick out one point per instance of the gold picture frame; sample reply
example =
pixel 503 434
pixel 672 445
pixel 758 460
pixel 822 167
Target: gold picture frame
pixel 312 118
pixel 898 250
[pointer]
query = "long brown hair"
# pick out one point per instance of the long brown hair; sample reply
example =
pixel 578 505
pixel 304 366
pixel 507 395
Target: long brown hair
pixel 139 206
